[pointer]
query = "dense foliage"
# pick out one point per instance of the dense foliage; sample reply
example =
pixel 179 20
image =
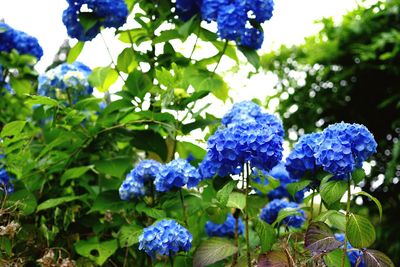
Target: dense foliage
pixel 90 181
pixel 350 72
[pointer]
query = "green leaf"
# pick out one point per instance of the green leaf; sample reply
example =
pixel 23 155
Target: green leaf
pixel 41 100
pixel 151 212
pixel 166 36
pixel 334 259
pixel 13 128
pixel 88 20
pixel 265 186
pixel 134 36
pixel 74 173
pixel 375 258
pixel 217 214
pixel 187 28
pixel 237 200
pixel 116 167
pixel 21 86
pixel 97 251
pixel 75 52
pixel 138 83
pixel 149 140
pixel 24 200
pixel 128 235
pixel 251 55
pixel 185 149
pixel 358 175
pixel 267 235
pixel 360 231
pixel 127 61
pixel 319 238
pixel 54 202
pixel 284 213
pixel 374 199
pixel 110 201
pixel 223 194
pixel 213 250
pixel 293 188
pixel 102 78
pixel 333 191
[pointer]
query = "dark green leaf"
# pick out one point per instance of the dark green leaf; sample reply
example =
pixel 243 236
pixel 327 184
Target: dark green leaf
pixel 54 202
pixel 267 235
pixel 293 188
pixel 95 250
pixel 128 235
pixel 74 173
pixel 24 200
pixel 251 55
pixel 149 140
pixel 360 232
pixel 334 258
pixel 375 200
pixel 319 238
pixel 213 250
pixel 333 191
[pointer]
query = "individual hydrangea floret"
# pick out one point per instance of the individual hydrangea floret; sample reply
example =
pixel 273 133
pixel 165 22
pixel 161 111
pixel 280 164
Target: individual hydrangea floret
pixel 248 111
pixel 5 182
pixel 227 229
pixel 20 41
pixel 99 13
pixel 176 174
pixel 231 147
pixel 279 172
pixel 344 148
pixel 352 254
pixel 302 158
pixel 188 8
pixel 66 82
pixel 165 237
pixel 134 184
pixel 270 212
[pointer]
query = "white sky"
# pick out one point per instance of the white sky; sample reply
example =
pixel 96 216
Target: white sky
pixel 292 21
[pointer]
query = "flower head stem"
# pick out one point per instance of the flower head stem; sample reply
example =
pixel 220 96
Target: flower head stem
pixel 246 179
pixel 183 208
pixel 347 218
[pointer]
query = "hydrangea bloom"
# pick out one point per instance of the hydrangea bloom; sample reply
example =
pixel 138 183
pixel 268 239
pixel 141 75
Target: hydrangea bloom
pixel 5 183
pixel 24 44
pixel 270 212
pixel 302 158
pixel 279 172
pixel 106 13
pixel 166 237
pixel 248 111
pixel 353 255
pixel 235 19
pixel 134 184
pixel 231 147
pixel 66 79
pixel 176 174
pixel 227 229
pixel 345 147
pixel 188 8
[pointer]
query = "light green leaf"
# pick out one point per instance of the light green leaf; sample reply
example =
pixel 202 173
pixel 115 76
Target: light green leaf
pixel 237 200
pixel 223 194
pixel 360 232
pixel 284 213
pixel 127 61
pixel 54 202
pixel 74 173
pixel 293 188
pixel 102 78
pixel 334 259
pixel 13 128
pixel 374 199
pixel 128 235
pixel 333 191
pixel 75 52
pixel 102 250
pixel 41 100
pixel 21 86
pixel 24 200
pixel 266 233
pixel 213 250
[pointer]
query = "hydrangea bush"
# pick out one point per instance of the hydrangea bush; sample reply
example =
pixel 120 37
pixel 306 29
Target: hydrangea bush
pixel 110 179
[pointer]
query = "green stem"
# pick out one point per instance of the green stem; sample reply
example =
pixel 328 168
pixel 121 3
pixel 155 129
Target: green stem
pixel 347 218
pixel 111 57
pixel 312 206
pixel 236 255
pixel 183 208
pixel 222 54
pixel 246 214
pixel 320 207
pixel 171 260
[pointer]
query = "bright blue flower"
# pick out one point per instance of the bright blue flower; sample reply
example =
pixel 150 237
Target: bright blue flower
pixel 279 172
pixel 232 20
pixel 248 111
pixel 262 9
pixel 134 184
pixel 66 79
pixel 188 8
pixel 5 183
pixel 20 41
pixel 165 237
pixel 302 158
pixel 227 229
pixel 353 255
pixel 344 148
pixel 211 8
pixel 231 147
pixel 105 13
pixel 252 38
pixel 176 174
pixel 270 212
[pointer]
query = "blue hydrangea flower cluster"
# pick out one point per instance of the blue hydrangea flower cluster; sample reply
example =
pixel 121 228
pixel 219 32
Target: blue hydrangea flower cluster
pixel 66 80
pixel 353 255
pixel 231 147
pixel 5 183
pixel 302 158
pixel 345 147
pixel 176 174
pixel 165 237
pixel 105 13
pixel 227 229
pixel 20 41
pixel 188 8
pixel 135 181
pixel 270 212
pixel 279 172
pixel 248 111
